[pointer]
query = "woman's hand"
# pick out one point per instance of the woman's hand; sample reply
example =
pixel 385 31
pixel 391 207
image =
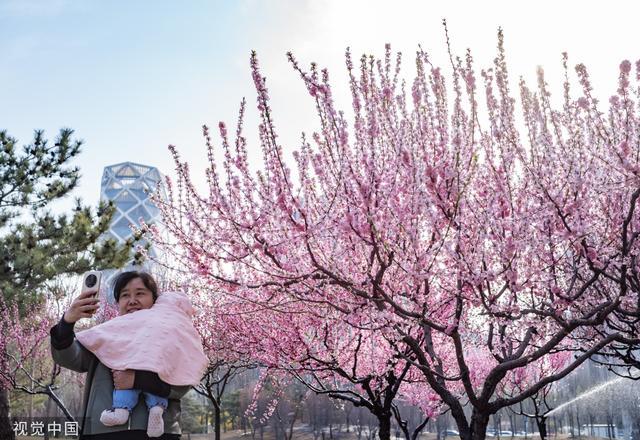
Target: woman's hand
pixel 84 306
pixel 123 379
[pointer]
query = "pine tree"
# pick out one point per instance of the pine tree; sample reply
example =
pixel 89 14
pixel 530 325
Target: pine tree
pixel 37 246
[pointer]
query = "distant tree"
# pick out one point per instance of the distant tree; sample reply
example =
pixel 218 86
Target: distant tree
pixel 217 377
pixel 225 364
pixel 193 414
pixel 25 362
pixel 540 410
pixel 541 404
pixel 37 246
pixel 232 413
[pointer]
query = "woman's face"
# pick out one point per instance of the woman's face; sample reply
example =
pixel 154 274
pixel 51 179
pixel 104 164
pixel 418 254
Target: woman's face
pixel 134 296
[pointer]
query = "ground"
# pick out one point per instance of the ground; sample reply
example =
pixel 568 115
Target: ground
pixel 301 435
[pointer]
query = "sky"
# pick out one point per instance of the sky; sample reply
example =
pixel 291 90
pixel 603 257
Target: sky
pixel 131 77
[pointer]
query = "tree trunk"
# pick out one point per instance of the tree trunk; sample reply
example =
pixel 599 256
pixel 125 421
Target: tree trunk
pixel 293 421
pixel 635 426
pixel 512 423
pixel 610 427
pixel 384 426
pixel 48 416
pixel 216 418
pixel 347 414
pixel 275 430
pixel 542 427
pixel 53 398
pixel 439 427
pixel 571 430
pixel 6 429
pixel 479 423
pixel 33 374
pixel 418 429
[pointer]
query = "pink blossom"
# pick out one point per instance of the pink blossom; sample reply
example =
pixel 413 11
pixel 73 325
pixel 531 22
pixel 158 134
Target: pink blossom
pixel 625 67
pixel 583 103
pixel 424 218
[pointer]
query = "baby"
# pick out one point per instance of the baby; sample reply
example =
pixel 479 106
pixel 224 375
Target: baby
pixel 123 403
pixel 157 339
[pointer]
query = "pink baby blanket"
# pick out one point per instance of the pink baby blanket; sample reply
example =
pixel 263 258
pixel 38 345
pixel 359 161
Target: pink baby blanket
pixel 161 339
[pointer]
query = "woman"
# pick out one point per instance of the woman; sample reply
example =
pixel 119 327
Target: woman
pixel 133 291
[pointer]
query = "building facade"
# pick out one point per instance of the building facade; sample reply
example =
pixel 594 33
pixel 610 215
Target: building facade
pixel 129 186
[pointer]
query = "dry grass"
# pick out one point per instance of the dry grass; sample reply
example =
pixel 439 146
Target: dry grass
pixel 300 434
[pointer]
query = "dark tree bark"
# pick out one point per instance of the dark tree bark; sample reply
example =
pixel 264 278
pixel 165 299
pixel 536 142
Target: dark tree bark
pixel 542 427
pixel 384 426
pixel 6 431
pixel 216 418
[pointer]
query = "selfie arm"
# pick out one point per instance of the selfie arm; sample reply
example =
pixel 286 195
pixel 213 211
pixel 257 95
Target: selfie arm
pixel 67 351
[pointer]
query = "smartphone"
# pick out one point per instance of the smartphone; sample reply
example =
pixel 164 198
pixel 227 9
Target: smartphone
pixel 91 281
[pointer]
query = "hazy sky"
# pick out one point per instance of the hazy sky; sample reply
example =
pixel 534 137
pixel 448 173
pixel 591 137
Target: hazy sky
pixel 133 76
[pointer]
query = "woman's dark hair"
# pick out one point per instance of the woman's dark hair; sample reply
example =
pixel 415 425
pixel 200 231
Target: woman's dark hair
pixel 124 278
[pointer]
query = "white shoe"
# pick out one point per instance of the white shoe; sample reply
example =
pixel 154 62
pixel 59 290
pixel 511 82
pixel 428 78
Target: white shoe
pixel 114 417
pixel 155 425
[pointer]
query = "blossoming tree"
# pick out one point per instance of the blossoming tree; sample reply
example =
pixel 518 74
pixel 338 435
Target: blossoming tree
pixel 310 342
pixel 25 359
pixel 470 244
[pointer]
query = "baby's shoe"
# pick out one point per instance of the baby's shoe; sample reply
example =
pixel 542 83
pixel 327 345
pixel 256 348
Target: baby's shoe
pixel 155 425
pixel 114 416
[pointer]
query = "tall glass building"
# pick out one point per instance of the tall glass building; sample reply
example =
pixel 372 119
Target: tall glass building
pixel 129 185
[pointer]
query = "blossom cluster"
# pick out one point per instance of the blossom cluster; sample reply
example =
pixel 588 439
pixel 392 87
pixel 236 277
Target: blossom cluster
pixel 451 244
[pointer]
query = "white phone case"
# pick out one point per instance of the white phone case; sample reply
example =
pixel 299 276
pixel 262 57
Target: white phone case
pixel 91 281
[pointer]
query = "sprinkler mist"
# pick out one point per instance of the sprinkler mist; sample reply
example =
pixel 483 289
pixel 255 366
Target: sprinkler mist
pixel 586 394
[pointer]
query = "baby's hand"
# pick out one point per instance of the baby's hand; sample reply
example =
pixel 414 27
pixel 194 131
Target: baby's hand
pixel 123 379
